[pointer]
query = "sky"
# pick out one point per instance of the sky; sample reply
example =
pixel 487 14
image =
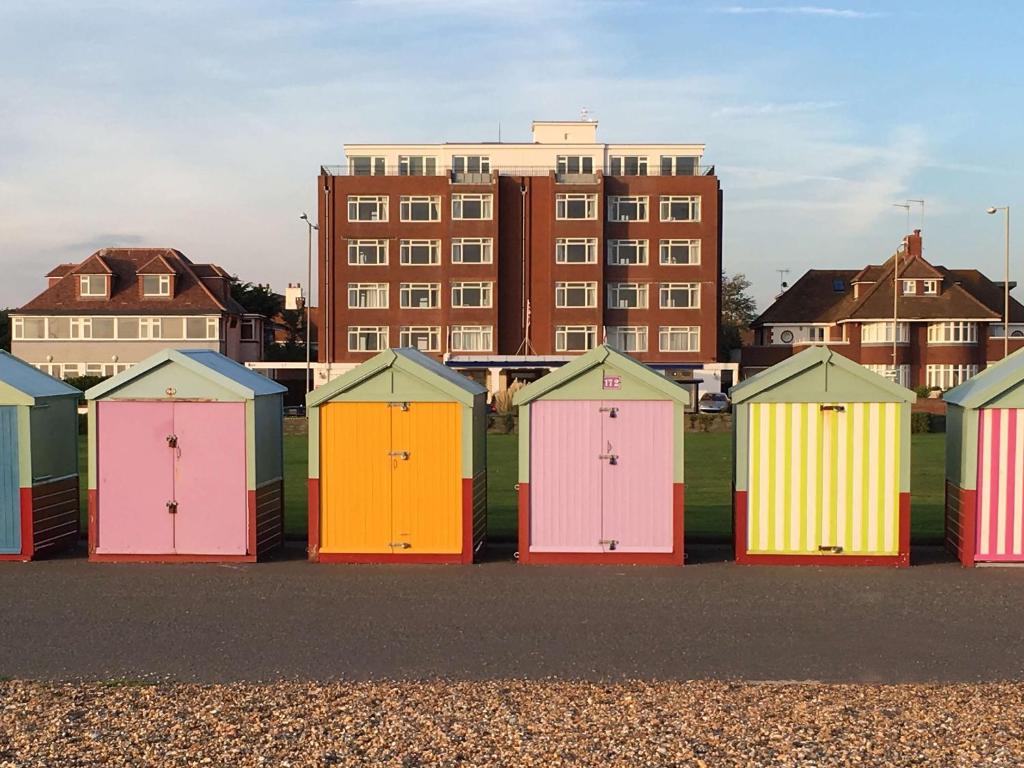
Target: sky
pixel 202 126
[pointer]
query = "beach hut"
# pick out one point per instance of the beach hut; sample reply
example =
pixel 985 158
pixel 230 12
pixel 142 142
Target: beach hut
pixel 985 465
pixel 397 463
pixel 601 464
pixel 185 461
pixel 821 464
pixel 38 461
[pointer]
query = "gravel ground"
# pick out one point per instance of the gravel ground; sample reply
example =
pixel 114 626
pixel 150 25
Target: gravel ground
pixel 510 723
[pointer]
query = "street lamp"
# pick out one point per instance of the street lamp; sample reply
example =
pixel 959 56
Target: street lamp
pixel 1006 282
pixel 309 288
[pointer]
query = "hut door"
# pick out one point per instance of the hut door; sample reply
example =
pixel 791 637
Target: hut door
pixel 636 475
pixel 135 480
pixel 426 487
pixel 565 476
pixel 210 479
pixel 10 501
pixel 1000 495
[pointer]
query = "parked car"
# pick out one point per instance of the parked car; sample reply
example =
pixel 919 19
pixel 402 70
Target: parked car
pixel 295 410
pixel 714 402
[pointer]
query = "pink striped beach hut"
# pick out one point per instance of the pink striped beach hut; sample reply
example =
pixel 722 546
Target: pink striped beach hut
pixel 985 465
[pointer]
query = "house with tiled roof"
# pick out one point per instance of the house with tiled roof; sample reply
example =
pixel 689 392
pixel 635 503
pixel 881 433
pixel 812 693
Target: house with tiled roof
pixel 120 305
pixel 907 319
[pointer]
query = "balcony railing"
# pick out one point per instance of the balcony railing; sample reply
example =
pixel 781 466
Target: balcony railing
pixel 486 177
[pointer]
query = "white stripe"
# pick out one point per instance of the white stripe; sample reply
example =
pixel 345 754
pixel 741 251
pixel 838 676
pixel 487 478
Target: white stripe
pixel 1018 490
pixel 796 461
pixel 813 447
pixel 1004 425
pixel 828 500
pixel 892 468
pixel 873 466
pixel 781 413
pixel 856 536
pixel 842 477
pixel 762 533
pixel 986 490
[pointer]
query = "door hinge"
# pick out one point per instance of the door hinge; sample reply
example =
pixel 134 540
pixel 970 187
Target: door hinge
pixel 612 412
pixel 613 458
pixel 172 441
pixel 839 408
pixel 834 549
pixel 400 545
pixel 610 543
pixel 401 406
pixel 403 455
pixel 172 507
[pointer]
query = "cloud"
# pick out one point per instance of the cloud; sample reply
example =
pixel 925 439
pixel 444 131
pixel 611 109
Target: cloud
pixel 798 10
pixel 777 108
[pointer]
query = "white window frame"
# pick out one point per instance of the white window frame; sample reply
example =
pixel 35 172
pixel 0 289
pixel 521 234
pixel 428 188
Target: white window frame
pixel 881 333
pixel 86 289
pixel 616 247
pixel 693 203
pixel 930 287
pixel 377 165
pixel 665 248
pixel 483 163
pixel 563 200
pixel 947 376
pixel 80 328
pixel 427 163
pixel 563 244
pixel 665 295
pixel 617 290
pixel 380 246
pixel 251 324
pixel 405 251
pixel 374 292
pixel 408 203
pixel 621 160
pixel 486 289
pixel 433 332
pixel 407 292
pixel 909 287
pixel 691 168
pixel 163 285
pixel 459 334
pixel 379 202
pixel 666 333
pixel 902 373
pixel 486 245
pixel 486 201
pixel 619 337
pixel 639 203
pixel 564 164
pixel 356 331
pixel 957 332
pixel 564 289
pixel 149 328
pixel 563 333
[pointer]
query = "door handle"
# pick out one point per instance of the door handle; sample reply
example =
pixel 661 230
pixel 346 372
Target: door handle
pixel 835 550
pixel 612 458
pixel 838 408
pixel 610 543
pixel 400 545
pixel 612 412
pixel 172 507
pixel 403 455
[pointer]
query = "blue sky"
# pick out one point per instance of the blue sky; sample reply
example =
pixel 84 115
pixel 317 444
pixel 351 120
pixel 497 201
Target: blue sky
pixel 202 125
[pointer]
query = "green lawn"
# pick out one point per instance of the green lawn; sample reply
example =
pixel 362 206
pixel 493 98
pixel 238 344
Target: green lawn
pixel 708 486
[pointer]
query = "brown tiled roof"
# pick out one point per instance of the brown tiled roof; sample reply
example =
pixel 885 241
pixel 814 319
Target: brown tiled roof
pixel 158 265
pixel 986 291
pixel 191 295
pixel 919 268
pixel 60 270
pixel 811 299
pixel 94 265
pixel 867 275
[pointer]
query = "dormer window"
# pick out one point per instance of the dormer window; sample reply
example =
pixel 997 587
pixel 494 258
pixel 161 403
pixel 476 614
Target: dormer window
pixel 156 285
pixel 909 287
pixel 931 287
pixel 92 286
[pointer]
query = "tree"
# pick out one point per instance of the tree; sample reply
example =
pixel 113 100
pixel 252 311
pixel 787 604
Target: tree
pixel 255 298
pixel 5 329
pixel 738 310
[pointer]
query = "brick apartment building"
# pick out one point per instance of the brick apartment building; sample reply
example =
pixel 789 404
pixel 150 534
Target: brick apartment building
pixel 511 256
pixel 948 322
pixel 120 305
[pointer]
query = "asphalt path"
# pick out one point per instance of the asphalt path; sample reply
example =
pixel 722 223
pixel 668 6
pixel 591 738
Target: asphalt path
pixel 70 619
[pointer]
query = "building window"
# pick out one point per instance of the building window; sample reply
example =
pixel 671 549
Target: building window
pixel 471 338
pixel 472 250
pixel 149 327
pixel 575 338
pixel 815 334
pixel 366 165
pixel 948 376
pixel 679 338
pixel 628 165
pixel 575 295
pixel 81 328
pixel 931 287
pixel 953 333
pixel 102 327
pixel 680 296
pixel 628 338
pixel 625 252
pixel 367 253
pixel 367 295
pixel 197 328
pixel 675 165
pixel 680 208
pixel 882 333
pixel 900 374
pixel 92 286
pixel 627 296
pixel 156 285
pixel 996 331
pixel 419 253
pixel 576 250
pixel 419 208
pixel 28 328
pixel 575 206
pixel 420 295
pixel 367 338
pixel 249 329
pixel 909 287
pixel 128 328
pixel 471 164
pixel 367 208
pixel 679 252
pixel 465 295
pixel 471 206
pixel 627 208
pixel 425 338
pixel 417 165
pixel 572 164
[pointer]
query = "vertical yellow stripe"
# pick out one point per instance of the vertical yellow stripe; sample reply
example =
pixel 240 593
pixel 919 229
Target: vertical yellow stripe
pixel 773 478
pixel 765 491
pixel 813 463
pixel 828 489
pixel 787 474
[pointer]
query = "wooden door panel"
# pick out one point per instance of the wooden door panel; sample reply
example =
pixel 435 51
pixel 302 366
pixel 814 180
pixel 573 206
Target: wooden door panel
pixel 1000 496
pixel 10 494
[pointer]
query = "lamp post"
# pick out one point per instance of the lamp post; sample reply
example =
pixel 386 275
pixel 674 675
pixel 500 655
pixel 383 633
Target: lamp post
pixel 1006 280
pixel 309 288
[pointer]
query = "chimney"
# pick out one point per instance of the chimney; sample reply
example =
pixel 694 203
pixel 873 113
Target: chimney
pixel 913 244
